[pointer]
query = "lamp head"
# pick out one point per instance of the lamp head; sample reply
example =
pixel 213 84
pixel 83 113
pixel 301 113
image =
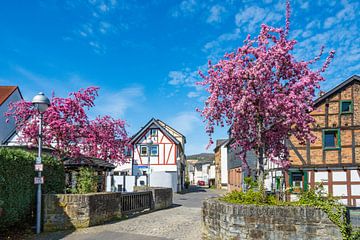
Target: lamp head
pixel 41 102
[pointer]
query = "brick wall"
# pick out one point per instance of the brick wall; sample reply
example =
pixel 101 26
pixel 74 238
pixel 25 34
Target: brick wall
pixel 233 221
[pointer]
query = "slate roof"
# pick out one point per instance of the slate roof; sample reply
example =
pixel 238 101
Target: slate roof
pixel 87 162
pixel 337 89
pixel 219 143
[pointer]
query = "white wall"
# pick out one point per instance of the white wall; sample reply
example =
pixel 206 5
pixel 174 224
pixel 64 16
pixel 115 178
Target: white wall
pixel 212 172
pixel 339 176
pixel 355 176
pixel 164 179
pixel 7 128
pixel 157 179
pixel 224 165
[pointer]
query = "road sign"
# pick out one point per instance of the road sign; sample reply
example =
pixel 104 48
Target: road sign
pixel 39 167
pixel 38 180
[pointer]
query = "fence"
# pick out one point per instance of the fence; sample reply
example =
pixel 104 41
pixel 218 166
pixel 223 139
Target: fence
pixel 136 201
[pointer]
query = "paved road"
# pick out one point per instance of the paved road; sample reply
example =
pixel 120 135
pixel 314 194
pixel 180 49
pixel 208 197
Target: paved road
pixel 183 221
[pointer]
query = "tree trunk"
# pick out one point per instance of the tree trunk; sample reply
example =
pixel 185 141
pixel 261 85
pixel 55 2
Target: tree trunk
pixel 261 172
pixel 261 151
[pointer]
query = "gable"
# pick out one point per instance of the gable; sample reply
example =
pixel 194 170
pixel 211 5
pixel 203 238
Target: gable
pixel 152 124
pixel 341 87
pixel 5 93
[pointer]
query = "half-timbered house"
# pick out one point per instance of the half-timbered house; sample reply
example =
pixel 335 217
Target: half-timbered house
pixel 164 160
pixel 334 158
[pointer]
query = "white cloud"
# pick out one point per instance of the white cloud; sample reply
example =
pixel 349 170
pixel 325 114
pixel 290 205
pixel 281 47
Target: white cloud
pixel 185 8
pixel 216 44
pixel 193 94
pixel 186 122
pixel 184 77
pixel 250 18
pixel 117 103
pixel 216 12
pixel 304 4
pixel 96 25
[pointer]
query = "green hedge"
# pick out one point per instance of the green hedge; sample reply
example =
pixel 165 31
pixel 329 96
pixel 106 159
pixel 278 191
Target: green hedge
pixel 17 189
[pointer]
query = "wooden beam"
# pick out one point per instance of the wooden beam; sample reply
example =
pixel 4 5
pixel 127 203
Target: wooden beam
pixel 296 152
pixel 352 124
pixel 339 125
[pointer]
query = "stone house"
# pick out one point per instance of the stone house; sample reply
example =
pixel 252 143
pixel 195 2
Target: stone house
pixel 334 158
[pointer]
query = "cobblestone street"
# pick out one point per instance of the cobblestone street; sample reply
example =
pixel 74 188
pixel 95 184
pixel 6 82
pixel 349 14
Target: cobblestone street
pixel 183 221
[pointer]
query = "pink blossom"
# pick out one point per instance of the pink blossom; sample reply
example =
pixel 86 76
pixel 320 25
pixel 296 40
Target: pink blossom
pixel 263 94
pixel 68 130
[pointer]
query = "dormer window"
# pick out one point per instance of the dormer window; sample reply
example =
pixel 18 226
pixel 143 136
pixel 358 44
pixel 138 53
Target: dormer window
pixel 153 132
pixel 346 106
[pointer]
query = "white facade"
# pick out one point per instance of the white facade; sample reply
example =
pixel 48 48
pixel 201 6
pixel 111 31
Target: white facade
pixel 341 183
pixel 224 165
pixel 8 129
pixel 274 177
pixel 202 172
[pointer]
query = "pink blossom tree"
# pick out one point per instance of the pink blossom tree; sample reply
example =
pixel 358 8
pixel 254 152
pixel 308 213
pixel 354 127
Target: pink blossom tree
pixel 67 128
pixel 263 94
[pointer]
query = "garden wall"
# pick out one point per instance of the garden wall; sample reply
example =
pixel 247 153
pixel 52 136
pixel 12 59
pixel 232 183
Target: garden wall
pixel 233 221
pixel 68 211
pixel 162 197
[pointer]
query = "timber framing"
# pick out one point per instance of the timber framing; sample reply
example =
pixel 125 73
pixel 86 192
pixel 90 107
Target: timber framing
pixel 336 160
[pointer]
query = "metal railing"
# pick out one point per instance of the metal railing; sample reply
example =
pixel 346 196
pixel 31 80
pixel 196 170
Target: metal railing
pixel 135 201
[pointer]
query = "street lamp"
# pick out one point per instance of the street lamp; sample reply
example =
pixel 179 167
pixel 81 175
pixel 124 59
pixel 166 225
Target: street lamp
pixel 41 104
pixel 149 143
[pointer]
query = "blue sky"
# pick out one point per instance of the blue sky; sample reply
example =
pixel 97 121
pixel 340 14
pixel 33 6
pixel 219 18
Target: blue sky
pixel 144 55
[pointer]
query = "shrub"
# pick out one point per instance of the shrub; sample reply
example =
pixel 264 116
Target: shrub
pixel 87 181
pixel 17 189
pixel 250 197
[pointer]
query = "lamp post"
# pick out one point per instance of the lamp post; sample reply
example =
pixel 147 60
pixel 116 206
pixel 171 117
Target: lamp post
pixel 41 104
pixel 149 143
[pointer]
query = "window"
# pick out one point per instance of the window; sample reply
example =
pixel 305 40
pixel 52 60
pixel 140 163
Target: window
pixel 346 106
pixel 154 150
pixel 298 181
pixel 128 151
pixel 331 139
pixel 143 150
pixel 153 132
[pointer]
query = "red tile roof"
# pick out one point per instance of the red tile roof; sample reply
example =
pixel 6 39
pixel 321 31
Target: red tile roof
pixel 5 92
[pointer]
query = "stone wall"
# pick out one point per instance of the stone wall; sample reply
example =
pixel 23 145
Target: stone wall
pixel 162 197
pixel 233 221
pixel 67 211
